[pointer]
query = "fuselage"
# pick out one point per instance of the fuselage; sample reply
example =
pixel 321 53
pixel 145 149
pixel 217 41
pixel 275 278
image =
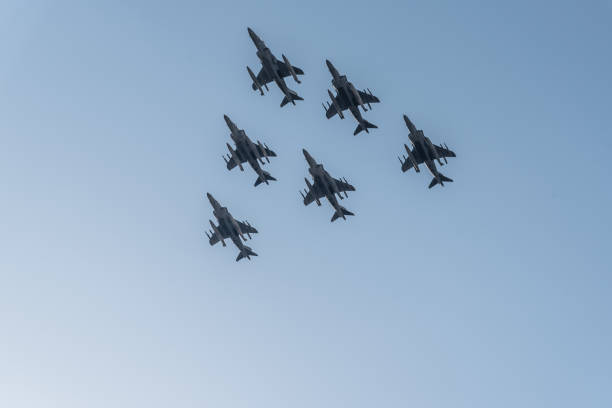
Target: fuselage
pixel 326 185
pixel 422 145
pixel 347 90
pixel 270 65
pixel 268 62
pixel 320 175
pixel 244 144
pixel 226 221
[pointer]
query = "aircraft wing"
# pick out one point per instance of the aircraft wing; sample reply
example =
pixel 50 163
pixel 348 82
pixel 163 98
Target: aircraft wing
pixel 407 164
pixel 214 238
pixel 246 228
pixel 284 71
pixel 368 98
pixel 231 163
pixel 315 193
pixel 263 78
pixel 443 152
pixel 342 102
pixel 344 186
pixel 268 152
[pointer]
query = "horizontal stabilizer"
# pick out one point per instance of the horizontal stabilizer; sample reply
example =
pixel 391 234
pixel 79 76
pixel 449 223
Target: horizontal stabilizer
pixel 267 177
pixel 365 125
pixel 245 252
pixel 293 96
pixel 434 181
pixel 341 212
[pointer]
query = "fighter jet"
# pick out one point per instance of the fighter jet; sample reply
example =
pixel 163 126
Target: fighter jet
pixel 348 97
pixel 273 70
pixel 424 151
pixel 229 228
pixel 247 151
pixel 325 185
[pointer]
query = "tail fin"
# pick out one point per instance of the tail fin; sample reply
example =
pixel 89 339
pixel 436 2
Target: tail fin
pixel 266 177
pixel 245 252
pixel 293 96
pixel 434 181
pixel 341 212
pixel 365 125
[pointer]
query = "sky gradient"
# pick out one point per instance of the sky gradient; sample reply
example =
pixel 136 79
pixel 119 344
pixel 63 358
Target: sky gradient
pixel 494 291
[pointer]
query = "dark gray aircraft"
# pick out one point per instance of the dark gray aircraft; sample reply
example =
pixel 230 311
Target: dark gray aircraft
pixel 247 151
pixel 348 97
pixel 424 151
pixel 325 185
pixel 229 228
pixel 274 70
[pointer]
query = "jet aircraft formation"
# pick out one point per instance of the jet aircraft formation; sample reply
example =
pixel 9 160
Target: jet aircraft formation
pixel 347 97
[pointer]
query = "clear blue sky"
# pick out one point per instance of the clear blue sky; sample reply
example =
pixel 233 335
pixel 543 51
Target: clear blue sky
pixel 494 291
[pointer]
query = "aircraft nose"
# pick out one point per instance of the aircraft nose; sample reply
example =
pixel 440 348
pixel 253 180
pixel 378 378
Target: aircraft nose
pixel 252 34
pixel 311 161
pixel 329 64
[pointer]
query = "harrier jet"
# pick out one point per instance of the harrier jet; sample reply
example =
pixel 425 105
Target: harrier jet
pixel 274 70
pixel 247 151
pixel 229 228
pixel 325 185
pixel 348 97
pixel 424 151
